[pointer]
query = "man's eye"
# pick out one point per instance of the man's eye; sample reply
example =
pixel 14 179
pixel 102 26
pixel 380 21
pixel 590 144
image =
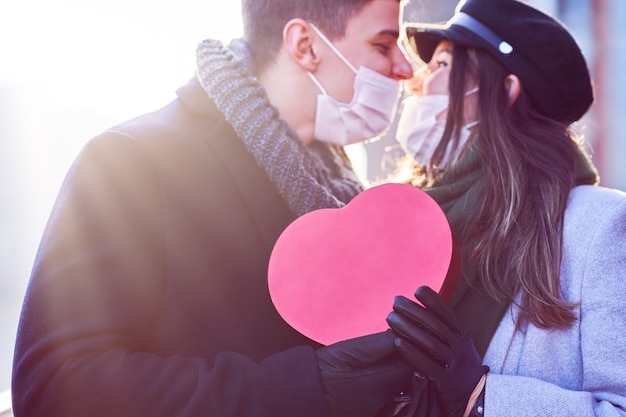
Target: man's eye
pixel 383 47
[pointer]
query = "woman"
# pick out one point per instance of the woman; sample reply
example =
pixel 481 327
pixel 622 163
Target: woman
pixel 537 322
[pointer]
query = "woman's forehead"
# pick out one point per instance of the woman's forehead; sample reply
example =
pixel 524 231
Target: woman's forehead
pixel 444 46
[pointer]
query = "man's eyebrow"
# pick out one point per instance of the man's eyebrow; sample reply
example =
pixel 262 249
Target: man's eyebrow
pixel 393 33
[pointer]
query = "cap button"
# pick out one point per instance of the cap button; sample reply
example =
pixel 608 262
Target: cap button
pixel 505 48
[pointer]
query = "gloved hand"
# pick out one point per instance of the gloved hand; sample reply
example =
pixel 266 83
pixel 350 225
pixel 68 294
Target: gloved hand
pixel 435 342
pixel 421 400
pixel 361 375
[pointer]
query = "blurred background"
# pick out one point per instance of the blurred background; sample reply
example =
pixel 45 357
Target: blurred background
pixel 71 68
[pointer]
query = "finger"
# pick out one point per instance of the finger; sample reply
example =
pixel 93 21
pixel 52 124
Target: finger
pixel 423 362
pixel 434 303
pixel 407 307
pixel 430 344
pixel 425 318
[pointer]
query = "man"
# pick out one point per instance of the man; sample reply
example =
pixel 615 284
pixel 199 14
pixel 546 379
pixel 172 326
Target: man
pixel 148 296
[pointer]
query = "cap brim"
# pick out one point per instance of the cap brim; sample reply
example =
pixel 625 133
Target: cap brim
pixel 423 39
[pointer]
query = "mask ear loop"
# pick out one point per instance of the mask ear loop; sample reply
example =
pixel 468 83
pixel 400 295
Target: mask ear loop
pixel 333 48
pixel 317 83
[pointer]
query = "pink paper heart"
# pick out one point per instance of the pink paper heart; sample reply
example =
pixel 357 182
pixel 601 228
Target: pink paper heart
pixel 333 273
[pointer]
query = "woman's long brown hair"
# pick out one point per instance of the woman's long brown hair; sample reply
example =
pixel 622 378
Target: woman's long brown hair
pixel 516 238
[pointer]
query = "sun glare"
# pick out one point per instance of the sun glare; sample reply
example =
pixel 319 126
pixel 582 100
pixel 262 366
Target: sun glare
pixel 68 70
pixel 108 53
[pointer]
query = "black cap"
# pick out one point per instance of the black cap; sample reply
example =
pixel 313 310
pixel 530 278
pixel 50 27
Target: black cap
pixel 530 44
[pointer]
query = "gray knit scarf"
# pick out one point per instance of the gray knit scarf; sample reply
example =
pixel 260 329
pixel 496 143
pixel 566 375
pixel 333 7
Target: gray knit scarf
pixel 307 177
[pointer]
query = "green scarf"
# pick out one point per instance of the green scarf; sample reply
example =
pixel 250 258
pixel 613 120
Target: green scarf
pixel 457 191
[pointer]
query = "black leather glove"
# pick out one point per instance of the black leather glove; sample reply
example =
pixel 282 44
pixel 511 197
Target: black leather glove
pixel 421 401
pixel 361 375
pixel 433 339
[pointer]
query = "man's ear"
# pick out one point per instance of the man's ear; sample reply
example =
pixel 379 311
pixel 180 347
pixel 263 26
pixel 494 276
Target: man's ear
pixel 513 87
pixel 298 40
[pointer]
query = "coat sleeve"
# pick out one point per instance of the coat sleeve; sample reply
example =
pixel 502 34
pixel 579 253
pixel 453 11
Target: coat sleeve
pixel 600 352
pixel 97 283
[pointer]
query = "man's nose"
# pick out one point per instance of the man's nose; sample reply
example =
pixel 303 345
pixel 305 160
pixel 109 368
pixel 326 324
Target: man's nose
pixel 402 68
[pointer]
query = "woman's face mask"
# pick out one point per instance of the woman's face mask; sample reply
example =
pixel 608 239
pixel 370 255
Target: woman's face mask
pixel 419 132
pixel 368 114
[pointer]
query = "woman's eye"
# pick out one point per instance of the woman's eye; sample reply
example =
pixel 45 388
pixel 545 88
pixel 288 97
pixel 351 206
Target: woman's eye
pixel 442 58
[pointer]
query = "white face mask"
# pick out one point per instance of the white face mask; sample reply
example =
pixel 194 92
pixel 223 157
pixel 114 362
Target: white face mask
pixel 419 132
pixel 368 114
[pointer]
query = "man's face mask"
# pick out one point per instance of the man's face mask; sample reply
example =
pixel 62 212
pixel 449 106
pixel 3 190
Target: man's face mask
pixel 419 132
pixel 367 115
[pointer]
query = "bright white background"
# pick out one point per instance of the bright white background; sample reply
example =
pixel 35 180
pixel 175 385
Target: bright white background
pixel 69 69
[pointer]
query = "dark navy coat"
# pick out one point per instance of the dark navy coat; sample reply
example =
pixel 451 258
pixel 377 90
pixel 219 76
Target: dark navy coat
pixel 149 292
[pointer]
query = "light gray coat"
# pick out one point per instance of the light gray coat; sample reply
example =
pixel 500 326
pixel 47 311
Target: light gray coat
pixel 579 371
